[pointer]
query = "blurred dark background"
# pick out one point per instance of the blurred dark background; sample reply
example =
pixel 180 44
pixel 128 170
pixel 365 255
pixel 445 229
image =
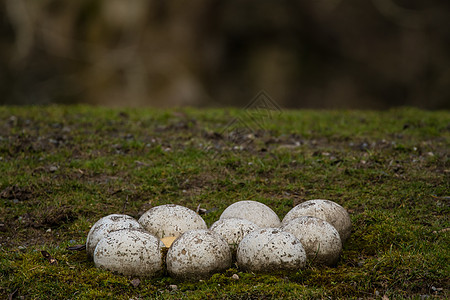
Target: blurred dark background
pixel 371 54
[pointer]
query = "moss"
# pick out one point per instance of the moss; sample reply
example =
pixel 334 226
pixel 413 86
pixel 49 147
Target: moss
pixel 64 167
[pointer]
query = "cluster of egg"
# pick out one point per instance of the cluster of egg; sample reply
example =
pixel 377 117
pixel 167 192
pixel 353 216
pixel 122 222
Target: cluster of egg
pixel 247 231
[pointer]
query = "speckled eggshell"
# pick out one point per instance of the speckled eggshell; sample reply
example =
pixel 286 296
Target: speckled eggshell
pixel 326 210
pixel 270 249
pixel 319 238
pixel 171 220
pixel 254 211
pixel 233 230
pixel 198 254
pixel 130 252
pixel 105 226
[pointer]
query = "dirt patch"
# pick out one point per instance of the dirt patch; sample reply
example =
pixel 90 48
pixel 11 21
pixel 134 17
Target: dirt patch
pixel 36 227
pixel 16 193
pixel 51 217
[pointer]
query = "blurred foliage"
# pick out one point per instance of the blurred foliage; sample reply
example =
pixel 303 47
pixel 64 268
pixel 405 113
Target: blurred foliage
pixel 324 53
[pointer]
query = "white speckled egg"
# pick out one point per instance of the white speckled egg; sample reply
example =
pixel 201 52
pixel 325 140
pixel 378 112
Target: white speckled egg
pixel 105 226
pixel 233 230
pixel 326 210
pixel 198 254
pixel 171 220
pixel 270 249
pixel 130 252
pixel 254 211
pixel 319 238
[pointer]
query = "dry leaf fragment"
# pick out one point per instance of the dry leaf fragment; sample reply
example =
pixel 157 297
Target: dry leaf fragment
pixel 135 282
pixel 48 257
pixel 77 247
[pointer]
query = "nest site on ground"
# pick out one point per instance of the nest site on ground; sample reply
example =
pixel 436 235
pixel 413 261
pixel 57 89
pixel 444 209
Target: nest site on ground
pixel 175 239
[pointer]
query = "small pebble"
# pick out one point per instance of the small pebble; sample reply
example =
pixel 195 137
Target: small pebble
pixel 235 277
pixel 173 287
pixel 53 168
pixel 135 282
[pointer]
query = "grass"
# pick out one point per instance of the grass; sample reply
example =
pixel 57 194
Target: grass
pixel 64 167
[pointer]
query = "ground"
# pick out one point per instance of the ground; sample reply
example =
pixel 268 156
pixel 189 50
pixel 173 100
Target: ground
pixel 64 167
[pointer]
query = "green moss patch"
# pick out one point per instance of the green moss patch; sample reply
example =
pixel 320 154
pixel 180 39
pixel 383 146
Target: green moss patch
pixel 64 167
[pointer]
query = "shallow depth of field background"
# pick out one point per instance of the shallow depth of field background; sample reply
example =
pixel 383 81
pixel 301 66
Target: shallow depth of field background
pixel 371 54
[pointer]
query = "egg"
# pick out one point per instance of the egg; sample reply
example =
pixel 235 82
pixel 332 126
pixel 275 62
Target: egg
pixel 270 249
pixel 105 226
pixel 171 220
pixel 130 252
pixel 198 254
pixel 326 210
pixel 319 238
pixel 253 211
pixel 233 230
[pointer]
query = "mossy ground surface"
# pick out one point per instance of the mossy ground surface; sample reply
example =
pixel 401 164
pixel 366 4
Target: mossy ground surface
pixel 63 168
